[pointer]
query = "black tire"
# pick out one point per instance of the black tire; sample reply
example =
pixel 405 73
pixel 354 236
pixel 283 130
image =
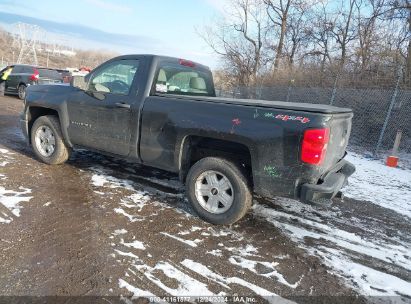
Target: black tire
pixel 61 152
pixel 240 187
pixel 21 90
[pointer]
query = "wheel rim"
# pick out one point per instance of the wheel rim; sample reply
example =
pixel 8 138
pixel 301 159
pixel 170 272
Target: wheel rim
pixel 214 192
pixel 22 92
pixel 45 141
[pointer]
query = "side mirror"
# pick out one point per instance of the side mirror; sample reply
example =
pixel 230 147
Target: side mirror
pixel 79 82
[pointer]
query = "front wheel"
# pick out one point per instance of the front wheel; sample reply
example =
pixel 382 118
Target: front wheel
pixel 47 141
pixel 218 190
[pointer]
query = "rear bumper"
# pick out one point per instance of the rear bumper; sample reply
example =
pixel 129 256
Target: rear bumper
pixel 329 188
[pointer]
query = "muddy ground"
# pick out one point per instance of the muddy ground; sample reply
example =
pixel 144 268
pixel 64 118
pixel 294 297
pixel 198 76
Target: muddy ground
pixel 99 226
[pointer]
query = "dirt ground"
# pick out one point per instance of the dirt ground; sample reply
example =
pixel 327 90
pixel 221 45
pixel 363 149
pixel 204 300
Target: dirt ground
pixel 110 230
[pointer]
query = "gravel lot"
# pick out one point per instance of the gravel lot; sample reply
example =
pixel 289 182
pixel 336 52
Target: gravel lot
pixel 99 226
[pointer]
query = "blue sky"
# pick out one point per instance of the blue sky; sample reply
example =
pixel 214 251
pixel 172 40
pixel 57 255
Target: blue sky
pixel 165 27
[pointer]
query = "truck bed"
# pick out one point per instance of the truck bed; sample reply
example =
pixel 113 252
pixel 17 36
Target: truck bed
pixel 293 106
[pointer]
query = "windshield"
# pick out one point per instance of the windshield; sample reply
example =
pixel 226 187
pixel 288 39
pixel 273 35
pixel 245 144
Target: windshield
pixel 183 80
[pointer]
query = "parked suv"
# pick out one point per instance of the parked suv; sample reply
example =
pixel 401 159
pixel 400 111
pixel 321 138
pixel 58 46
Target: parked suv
pixel 23 76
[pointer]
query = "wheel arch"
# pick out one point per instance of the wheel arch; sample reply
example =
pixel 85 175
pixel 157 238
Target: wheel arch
pixel 34 112
pixel 194 148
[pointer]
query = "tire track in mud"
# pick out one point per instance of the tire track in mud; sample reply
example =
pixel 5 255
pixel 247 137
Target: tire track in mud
pixel 244 260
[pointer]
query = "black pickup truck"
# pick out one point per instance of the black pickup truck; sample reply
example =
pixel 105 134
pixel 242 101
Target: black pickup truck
pixel 162 112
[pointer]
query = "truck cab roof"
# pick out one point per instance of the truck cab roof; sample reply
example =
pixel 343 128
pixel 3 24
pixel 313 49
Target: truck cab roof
pixel 160 58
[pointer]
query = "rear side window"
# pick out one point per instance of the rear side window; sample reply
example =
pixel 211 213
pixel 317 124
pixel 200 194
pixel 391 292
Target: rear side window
pixel 51 74
pixel 17 69
pixel 183 80
pixel 28 70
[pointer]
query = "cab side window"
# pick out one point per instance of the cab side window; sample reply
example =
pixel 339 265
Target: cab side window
pixel 115 78
pixel 178 79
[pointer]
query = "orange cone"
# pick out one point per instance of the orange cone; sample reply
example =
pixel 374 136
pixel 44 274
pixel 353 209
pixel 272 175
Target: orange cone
pixel 392 161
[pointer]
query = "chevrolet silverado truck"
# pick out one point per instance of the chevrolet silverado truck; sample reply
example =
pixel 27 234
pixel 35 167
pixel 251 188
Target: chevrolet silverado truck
pixel 163 112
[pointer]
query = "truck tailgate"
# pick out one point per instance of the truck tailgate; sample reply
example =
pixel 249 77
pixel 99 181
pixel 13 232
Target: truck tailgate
pixel 340 129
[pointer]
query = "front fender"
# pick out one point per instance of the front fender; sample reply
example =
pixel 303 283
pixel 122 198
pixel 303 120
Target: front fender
pixel 47 100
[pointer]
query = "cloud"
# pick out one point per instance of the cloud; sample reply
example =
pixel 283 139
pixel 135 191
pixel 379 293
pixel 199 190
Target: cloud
pixel 80 32
pixel 109 6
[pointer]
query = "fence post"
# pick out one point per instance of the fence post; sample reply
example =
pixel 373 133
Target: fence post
pixel 334 90
pixel 259 90
pixel 291 82
pixel 387 117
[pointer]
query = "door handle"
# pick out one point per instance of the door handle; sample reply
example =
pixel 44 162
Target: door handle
pixel 122 105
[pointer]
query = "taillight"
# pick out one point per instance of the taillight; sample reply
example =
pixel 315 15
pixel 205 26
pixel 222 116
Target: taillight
pixel 314 145
pixel 35 75
pixel 187 63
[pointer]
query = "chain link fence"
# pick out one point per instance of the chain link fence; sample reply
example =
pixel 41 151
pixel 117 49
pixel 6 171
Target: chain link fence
pixel 380 111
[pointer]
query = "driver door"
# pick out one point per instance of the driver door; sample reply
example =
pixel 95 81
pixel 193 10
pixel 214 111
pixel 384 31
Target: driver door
pixel 100 116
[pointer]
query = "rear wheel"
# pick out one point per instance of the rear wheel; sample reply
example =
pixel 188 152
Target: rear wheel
pixel 218 190
pixel 22 91
pixel 47 141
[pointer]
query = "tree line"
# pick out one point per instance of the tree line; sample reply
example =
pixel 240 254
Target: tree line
pixel 361 42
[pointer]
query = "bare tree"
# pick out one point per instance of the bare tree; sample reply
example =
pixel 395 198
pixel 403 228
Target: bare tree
pixel 398 16
pixel 354 40
pixel 401 9
pixel 239 39
pixel 408 65
pixel 368 13
pixel 343 29
pixel 298 31
pixel 320 34
pixel 278 12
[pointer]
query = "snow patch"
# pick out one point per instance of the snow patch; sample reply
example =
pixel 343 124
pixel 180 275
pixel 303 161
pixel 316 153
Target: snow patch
pixel 135 244
pixel 225 282
pixel 187 285
pixel 368 280
pixel 221 232
pixel 187 242
pixel 127 254
pixel 136 200
pixel 342 250
pixel 5 157
pixel 5 151
pixel 248 250
pixel 131 218
pixel 137 292
pixel 12 199
pixel 268 266
pixel 100 179
pixel 382 185
pixel 215 252
pixel 373 248
pixel 119 231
